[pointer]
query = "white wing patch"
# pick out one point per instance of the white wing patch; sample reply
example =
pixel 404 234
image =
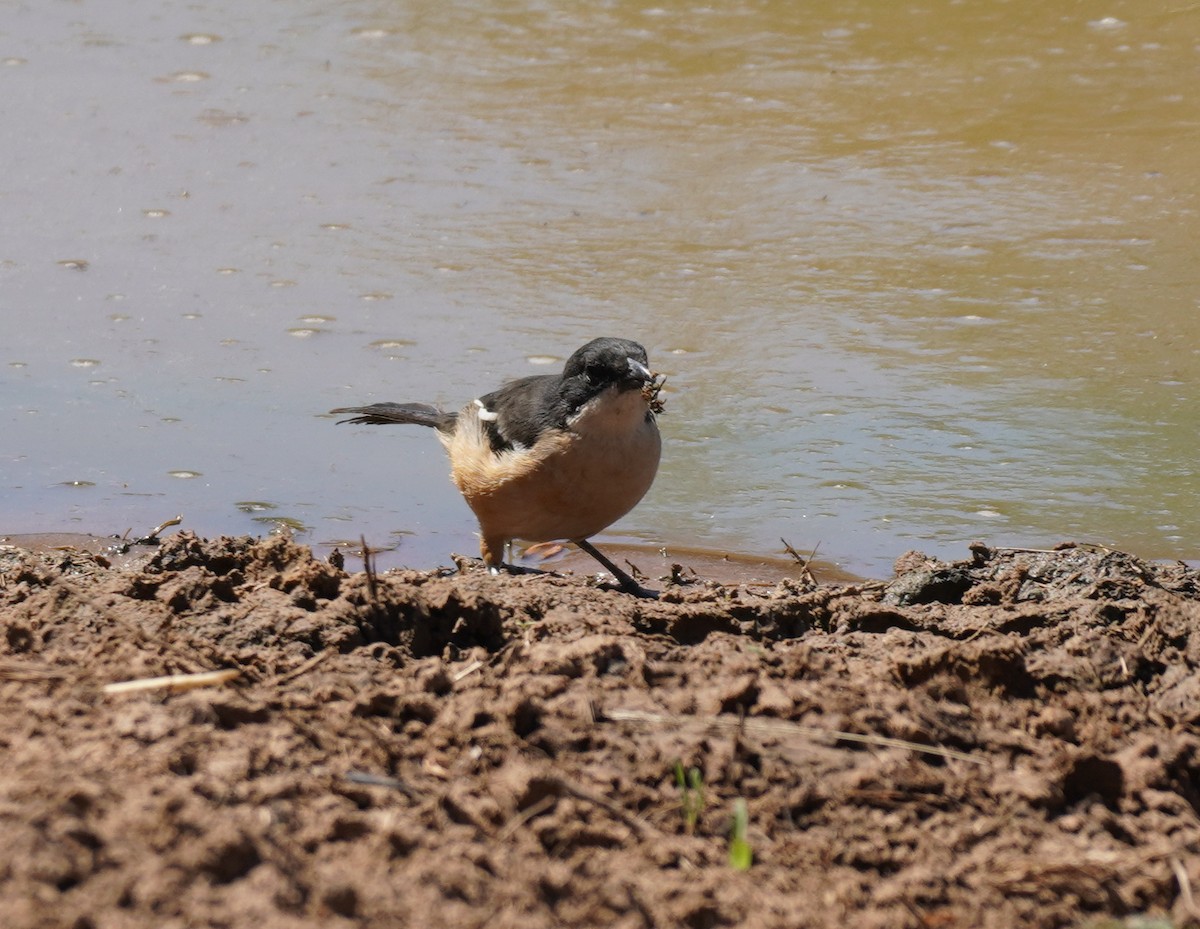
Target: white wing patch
pixel 485 414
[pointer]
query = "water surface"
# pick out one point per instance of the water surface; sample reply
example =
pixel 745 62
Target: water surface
pixel 918 273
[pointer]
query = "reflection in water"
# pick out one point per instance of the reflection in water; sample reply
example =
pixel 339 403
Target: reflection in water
pixel 916 274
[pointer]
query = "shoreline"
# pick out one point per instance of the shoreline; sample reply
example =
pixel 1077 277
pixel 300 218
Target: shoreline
pixel 724 567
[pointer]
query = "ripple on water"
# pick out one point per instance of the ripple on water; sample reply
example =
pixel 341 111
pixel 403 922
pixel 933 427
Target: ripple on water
pixel 254 506
pixel 280 522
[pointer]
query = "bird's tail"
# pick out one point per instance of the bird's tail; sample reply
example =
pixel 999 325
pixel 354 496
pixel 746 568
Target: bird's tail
pixel 382 414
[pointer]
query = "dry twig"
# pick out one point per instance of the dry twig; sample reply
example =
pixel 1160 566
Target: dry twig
pixel 1185 887
pixel 305 667
pixel 805 563
pixel 174 682
pixel 369 568
pixel 468 670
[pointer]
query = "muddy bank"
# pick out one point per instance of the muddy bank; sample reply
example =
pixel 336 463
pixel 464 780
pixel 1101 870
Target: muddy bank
pixel 1007 740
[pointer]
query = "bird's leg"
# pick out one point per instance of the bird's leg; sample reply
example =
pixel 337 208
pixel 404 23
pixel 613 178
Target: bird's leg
pixel 627 583
pixel 493 548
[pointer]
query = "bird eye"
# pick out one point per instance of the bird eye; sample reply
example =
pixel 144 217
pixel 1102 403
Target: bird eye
pixel 593 371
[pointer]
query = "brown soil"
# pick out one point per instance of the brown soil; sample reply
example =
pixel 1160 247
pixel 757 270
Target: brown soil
pixel 422 749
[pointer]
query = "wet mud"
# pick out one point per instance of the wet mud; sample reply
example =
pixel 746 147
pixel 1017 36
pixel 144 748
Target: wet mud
pixel 1006 740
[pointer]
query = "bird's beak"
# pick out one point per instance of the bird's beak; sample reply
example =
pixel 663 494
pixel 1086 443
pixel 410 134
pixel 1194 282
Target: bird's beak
pixel 639 372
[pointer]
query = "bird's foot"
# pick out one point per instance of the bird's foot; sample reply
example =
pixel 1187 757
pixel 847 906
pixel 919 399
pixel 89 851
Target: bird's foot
pixel 509 568
pixel 625 582
pixel 621 580
pixel 503 568
pixel 634 589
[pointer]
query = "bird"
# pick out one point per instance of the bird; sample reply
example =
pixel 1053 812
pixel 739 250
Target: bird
pixel 553 456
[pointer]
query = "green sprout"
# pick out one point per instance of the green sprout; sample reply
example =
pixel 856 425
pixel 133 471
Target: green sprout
pixel 741 856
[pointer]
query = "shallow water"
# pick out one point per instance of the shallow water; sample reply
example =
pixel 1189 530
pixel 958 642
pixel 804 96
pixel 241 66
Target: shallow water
pixel 917 273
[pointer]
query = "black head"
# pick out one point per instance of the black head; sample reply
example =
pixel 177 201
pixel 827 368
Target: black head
pixel 526 408
pixel 608 362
